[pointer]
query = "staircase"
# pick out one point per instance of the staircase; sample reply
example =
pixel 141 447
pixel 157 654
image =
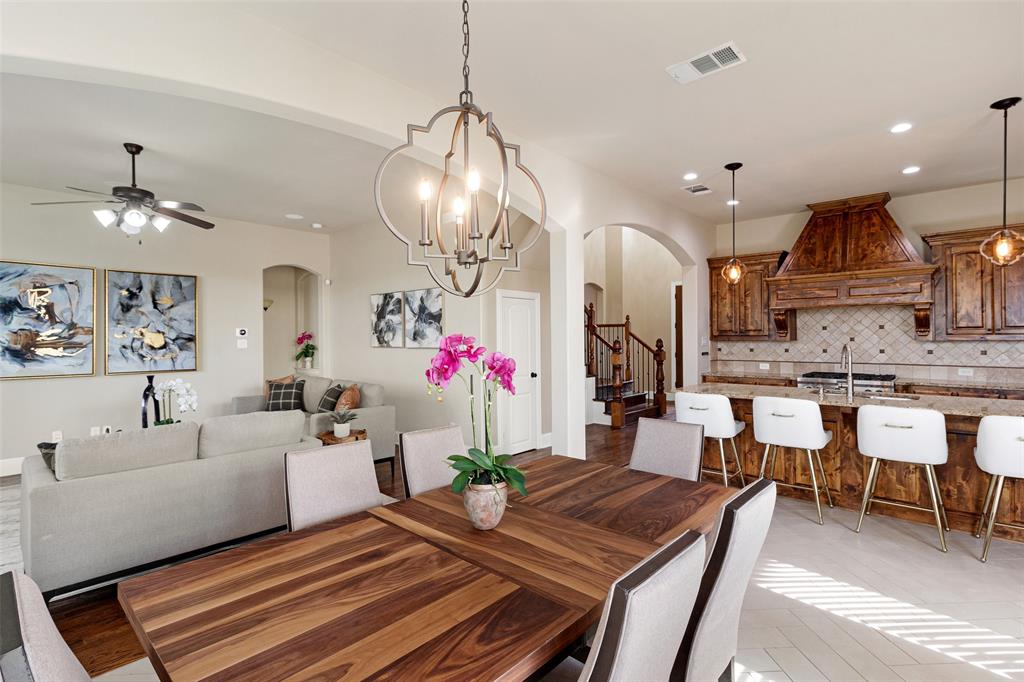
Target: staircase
pixel 629 373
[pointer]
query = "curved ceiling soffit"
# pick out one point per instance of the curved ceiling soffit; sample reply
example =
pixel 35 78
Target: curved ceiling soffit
pixel 677 250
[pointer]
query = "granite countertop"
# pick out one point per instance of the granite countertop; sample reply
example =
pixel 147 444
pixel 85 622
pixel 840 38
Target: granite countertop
pixel 966 382
pixel 948 405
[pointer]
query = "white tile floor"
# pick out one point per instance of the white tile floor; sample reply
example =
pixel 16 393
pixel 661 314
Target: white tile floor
pixel 828 604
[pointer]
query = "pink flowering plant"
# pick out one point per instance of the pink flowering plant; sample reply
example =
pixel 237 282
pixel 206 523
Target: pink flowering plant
pixel 496 371
pixel 306 347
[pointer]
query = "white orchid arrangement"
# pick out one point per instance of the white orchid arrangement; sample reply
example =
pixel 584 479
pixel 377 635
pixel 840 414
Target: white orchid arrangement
pixel 182 393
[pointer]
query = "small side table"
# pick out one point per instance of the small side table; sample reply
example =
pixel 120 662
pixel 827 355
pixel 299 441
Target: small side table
pixel 328 438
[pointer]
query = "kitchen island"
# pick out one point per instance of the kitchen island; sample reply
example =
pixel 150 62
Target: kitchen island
pixel 961 482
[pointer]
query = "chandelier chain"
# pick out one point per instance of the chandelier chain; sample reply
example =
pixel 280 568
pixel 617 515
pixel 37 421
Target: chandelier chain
pixel 466 96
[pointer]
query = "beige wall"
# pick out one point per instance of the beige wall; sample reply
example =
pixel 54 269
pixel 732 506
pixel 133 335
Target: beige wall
pixel 648 272
pixel 229 262
pixel 279 321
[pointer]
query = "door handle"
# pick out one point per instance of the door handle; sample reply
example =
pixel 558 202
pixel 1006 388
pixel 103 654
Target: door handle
pixel 533 375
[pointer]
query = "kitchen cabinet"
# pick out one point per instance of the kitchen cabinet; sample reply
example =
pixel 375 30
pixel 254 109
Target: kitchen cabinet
pixel 740 311
pixel 975 299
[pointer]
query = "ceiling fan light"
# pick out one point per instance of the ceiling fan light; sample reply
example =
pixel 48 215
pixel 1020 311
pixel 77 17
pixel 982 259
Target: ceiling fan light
pixel 160 222
pixel 105 216
pixel 134 217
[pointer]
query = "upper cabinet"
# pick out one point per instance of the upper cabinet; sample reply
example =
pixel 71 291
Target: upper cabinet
pixel 975 299
pixel 740 311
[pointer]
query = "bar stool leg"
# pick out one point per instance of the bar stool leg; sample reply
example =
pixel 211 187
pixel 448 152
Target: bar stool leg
pixel 933 488
pixel 824 479
pixel 814 484
pixel 992 517
pixel 725 472
pixel 739 464
pixel 764 459
pixel 938 496
pixel 874 484
pixel 775 457
pixel 869 490
pixel 984 507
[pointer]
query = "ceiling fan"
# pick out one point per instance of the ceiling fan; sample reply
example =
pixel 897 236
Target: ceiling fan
pixel 139 205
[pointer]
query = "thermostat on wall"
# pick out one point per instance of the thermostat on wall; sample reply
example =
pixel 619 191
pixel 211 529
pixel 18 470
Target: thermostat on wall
pixel 241 332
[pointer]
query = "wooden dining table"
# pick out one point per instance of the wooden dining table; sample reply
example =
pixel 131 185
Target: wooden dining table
pixel 411 590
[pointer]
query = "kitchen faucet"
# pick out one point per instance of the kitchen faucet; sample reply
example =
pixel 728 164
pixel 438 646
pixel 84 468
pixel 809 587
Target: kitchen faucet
pixel 846 362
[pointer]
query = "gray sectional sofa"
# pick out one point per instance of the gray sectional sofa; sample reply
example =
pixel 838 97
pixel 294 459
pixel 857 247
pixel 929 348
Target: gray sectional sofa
pixel 373 415
pixel 124 500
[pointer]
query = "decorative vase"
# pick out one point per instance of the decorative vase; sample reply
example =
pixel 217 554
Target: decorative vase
pixel 485 504
pixel 149 393
pixel 307 363
pixel 342 430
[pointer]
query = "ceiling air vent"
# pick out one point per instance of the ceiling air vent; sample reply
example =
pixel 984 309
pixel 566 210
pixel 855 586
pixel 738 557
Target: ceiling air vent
pixel 722 57
pixel 697 190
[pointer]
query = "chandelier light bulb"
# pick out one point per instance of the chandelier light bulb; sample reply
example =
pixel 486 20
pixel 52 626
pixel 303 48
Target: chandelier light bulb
pixel 473 180
pixel 732 202
pixel 135 217
pixel 425 190
pixel 160 222
pixel 105 216
pixel 458 207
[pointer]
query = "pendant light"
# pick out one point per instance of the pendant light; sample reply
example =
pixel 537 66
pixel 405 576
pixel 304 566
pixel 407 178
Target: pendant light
pixel 465 247
pixel 1005 247
pixel 734 269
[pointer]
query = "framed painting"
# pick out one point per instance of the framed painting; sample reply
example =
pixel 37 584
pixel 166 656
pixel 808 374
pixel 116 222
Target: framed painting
pixel 47 320
pixel 424 318
pixel 386 320
pixel 152 322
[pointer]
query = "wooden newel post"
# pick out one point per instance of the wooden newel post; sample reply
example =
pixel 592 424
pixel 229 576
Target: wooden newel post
pixel 629 355
pixel 618 407
pixel 660 399
pixel 591 341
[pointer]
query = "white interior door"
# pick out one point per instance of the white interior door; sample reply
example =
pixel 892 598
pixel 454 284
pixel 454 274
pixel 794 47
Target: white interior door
pixel 519 337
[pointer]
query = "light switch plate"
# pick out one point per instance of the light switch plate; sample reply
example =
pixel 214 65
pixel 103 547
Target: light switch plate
pixel 965 371
pixel 57 436
pixel 242 343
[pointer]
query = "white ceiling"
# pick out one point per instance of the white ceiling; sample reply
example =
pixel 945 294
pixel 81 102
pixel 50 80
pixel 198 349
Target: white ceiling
pixel 235 163
pixel 808 113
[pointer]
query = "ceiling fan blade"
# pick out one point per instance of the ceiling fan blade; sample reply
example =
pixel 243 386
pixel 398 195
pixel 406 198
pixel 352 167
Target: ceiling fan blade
pixel 183 217
pixel 180 205
pixel 88 191
pixel 54 203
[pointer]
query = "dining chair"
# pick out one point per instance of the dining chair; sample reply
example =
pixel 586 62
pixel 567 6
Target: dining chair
pixel 708 651
pixel 328 483
pixel 644 618
pixel 425 458
pixel 32 647
pixel 668 448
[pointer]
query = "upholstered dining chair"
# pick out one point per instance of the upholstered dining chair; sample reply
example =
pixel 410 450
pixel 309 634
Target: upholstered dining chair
pixel 709 646
pixel 328 483
pixel 425 458
pixel 32 647
pixel 668 448
pixel 644 618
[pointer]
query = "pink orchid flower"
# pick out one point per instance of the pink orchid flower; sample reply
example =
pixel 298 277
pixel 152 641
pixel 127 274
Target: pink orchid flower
pixel 502 368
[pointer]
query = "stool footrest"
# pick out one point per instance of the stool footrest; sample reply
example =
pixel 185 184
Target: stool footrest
pixel 797 486
pixel 905 505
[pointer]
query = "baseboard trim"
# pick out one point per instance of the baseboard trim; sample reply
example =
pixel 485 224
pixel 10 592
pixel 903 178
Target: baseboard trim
pixel 12 466
pixel 544 441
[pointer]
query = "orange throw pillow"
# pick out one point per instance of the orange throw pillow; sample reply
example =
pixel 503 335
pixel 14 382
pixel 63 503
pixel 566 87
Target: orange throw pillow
pixel 349 399
pixel 290 379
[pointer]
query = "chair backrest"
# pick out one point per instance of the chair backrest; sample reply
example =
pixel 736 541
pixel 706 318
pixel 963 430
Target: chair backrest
pixel 710 641
pixel 646 613
pixel 902 434
pixel 788 422
pixel 31 648
pixel 425 455
pixel 1000 448
pixel 328 483
pixel 710 410
pixel 668 448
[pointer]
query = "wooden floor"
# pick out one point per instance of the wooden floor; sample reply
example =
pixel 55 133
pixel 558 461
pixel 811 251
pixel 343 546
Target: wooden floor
pixel 96 629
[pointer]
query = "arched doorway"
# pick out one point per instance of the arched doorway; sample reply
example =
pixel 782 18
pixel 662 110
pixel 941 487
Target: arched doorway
pixel 291 306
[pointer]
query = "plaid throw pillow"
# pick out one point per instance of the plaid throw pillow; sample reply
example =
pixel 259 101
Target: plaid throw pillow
pixel 285 397
pixel 330 399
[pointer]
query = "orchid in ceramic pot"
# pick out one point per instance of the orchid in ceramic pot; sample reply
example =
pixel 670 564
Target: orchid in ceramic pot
pixel 483 478
pixel 307 349
pixel 179 393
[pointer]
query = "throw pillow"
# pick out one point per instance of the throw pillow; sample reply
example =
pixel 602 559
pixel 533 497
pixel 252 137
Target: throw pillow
pixel 349 399
pixel 290 379
pixel 47 450
pixel 330 400
pixel 285 397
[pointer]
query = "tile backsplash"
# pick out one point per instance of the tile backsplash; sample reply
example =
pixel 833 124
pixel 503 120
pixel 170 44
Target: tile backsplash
pixel 881 335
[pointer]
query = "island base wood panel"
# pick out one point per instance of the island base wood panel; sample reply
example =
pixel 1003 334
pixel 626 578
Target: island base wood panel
pixel 962 483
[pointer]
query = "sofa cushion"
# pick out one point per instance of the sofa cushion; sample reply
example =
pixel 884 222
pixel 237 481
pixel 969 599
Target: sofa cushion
pixel 124 450
pixel 349 399
pixel 330 400
pixel 254 431
pixel 285 397
pixel 371 395
pixel 290 379
pixel 315 388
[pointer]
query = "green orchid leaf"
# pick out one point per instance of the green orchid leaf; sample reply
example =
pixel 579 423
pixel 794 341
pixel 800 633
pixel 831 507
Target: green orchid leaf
pixel 461 481
pixel 480 458
pixel 501 459
pixel 459 458
pixel 465 466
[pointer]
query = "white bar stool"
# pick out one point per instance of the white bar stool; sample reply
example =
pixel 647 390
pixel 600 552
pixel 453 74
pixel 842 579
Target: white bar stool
pixel 714 413
pixel 1000 453
pixel 908 435
pixel 793 423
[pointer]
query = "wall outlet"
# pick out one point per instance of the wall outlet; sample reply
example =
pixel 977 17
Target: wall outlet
pixel 764 365
pixel 57 436
pixel 965 371
pixel 107 429
pixel 94 430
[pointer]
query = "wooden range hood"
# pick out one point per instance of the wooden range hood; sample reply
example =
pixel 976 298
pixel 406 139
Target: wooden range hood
pixel 852 252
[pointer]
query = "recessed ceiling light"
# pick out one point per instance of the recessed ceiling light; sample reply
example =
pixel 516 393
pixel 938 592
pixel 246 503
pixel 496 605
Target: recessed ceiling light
pixel 690 176
pixel 316 226
pixel 901 127
pixel 732 202
pixel 293 216
pixel 910 170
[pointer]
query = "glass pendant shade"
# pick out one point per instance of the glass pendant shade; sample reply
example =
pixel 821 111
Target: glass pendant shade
pixel 160 222
pixel 134 217
pixel 1005 247
pixel 105 216
pixel 734 270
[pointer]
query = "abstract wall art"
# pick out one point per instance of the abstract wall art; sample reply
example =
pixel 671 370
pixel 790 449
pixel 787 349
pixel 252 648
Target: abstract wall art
pixel 151 322
pixel 386 320
pixel 47 320
pixel 424 318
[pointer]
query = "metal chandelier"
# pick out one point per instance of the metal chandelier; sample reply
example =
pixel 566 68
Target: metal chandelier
pixel 465 249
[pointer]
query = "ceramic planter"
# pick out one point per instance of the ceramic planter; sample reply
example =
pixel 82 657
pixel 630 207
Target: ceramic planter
pixel 485 504
pixel 307 363
pixel 342 430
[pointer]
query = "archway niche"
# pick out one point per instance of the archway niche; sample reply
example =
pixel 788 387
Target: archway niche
pixel 291 305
